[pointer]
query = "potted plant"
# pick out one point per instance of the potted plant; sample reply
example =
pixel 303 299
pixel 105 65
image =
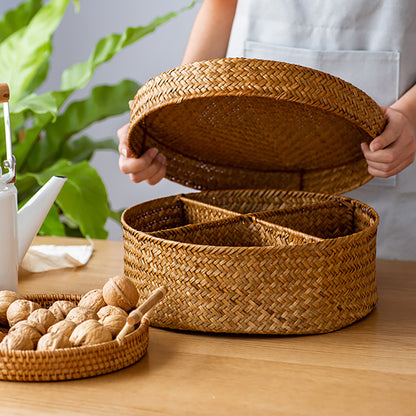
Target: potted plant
pixel 47 128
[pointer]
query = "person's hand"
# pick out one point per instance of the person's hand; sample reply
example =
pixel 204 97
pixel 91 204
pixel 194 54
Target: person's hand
pixel 394 150
pixel 150 166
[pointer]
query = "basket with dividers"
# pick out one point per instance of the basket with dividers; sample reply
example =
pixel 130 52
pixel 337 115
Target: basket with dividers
pixel 268 245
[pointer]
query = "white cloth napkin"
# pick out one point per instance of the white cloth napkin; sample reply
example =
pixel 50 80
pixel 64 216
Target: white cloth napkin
pixel 42 258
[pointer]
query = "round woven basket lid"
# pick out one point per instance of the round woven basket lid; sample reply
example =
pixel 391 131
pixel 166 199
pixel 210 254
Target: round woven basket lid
pixel 247 123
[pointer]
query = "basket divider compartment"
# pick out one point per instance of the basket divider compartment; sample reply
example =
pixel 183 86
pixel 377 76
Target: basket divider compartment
pixel 155 214
pixel 240 231
pixel 246 201
pixel 330 219
pixel 198 212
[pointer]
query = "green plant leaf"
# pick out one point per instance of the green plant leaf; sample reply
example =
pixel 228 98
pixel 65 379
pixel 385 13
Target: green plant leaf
pixel 27 186
pixel 116 215
pixel 47 103
pixel 82 148
pixel 83 198
pixel 79 74
pixel 23 53
pixel 15 19
pixel 52 225
pixel 40 76
pixel 23 148
pixel 104 101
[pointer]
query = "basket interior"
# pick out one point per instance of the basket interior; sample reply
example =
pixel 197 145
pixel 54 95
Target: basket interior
pixel 240 231
pixel 249 218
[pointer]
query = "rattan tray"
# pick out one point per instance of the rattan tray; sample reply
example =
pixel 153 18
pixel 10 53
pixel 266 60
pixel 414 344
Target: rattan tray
pixel 238 257
pixel 77 362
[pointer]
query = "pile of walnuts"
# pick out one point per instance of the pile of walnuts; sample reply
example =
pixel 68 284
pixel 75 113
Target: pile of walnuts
pixel 99 317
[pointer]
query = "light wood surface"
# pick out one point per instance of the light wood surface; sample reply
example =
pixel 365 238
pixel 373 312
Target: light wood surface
pixel 368 368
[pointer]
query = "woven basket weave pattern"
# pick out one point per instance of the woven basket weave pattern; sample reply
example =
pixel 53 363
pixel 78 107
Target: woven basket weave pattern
pixel 292 263
pixel 73 363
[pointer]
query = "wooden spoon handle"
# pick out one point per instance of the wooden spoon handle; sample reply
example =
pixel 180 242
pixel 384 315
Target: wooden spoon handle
pixel 4 93
pixel 136 315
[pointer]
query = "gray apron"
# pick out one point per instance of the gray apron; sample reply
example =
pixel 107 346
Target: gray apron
pixel 369 43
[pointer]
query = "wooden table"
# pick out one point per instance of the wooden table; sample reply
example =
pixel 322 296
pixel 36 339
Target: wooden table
pixel 368 368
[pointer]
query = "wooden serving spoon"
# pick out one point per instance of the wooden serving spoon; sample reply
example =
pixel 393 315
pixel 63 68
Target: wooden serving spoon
pixel 137 314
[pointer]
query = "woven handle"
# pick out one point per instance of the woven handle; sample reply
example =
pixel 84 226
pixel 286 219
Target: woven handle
pixel 136 315
pixel 4 93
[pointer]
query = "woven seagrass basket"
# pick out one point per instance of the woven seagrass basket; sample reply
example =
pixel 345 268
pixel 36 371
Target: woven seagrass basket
pixel 268 246
pixel 77 362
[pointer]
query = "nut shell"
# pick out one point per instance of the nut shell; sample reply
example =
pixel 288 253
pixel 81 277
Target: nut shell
pixel 61 308
pixel 62 327
pixel 114 323
pixel 7 297
pixel 90 332
pixel 50 342
pixel 111 310
pixel 79 315
pixel 93 300
pixel 15 341
pixel 41 319
pixel 26 330
pixel 120 291
pixel 19 310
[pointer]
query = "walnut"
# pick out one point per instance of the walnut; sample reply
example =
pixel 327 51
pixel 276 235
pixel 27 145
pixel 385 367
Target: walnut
pixel 19 310
pixel 120 291
pixel 51 341
pixel 93 300
pixel 63 327
pixel 41 319
pixel 114 323
pixel 26 330
pixel 90 332
pixel 111 310
pixel 61 308
pixel 2 335
pixel 79 315
pixel 7 297
pixel 15 341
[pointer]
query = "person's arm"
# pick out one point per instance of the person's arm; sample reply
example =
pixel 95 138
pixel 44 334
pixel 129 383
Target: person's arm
pixel 211 31
pixel 395 148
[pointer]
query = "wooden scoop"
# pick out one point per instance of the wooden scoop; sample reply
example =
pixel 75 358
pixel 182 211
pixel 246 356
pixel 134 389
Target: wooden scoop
pixel 136 315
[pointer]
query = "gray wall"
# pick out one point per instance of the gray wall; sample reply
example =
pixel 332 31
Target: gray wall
pixel 159 51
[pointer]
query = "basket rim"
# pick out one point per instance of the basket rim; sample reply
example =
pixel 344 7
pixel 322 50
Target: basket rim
pixel 314 242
